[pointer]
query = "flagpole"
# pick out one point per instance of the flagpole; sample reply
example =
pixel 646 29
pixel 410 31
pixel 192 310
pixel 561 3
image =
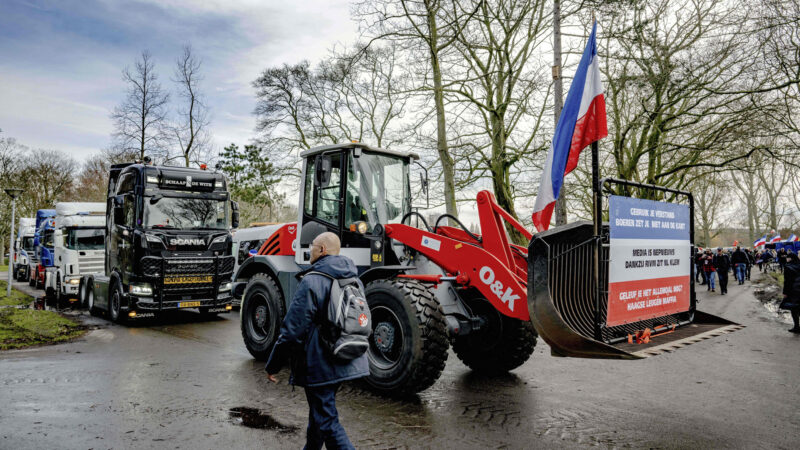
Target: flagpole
pixel 598 242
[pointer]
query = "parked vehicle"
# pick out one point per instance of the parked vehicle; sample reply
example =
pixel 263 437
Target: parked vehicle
pixel 168 243
pixel 43 247
pixel 434 287
pixel 247 242
pixel 78 244
pixel 23 248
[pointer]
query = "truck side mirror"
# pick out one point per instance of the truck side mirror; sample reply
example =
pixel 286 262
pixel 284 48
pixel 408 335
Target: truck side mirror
pixel 119 213
pixel 234 214
pixel 322 167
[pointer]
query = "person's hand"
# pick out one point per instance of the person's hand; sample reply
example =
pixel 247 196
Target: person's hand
pixel 272 378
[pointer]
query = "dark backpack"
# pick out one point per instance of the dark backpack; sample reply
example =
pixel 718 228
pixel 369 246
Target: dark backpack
pixel 345 321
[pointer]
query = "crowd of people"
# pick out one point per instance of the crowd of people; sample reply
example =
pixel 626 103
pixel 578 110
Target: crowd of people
pixel 713 268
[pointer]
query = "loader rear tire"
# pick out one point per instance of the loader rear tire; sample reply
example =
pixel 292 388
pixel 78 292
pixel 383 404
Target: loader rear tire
pixel 502 345
pixel 261 315
pixel 408 347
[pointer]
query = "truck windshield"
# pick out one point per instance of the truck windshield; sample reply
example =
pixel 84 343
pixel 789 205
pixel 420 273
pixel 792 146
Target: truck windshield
pixel 378 190
pixel 85 239
pixel 27 243
pixel 186 213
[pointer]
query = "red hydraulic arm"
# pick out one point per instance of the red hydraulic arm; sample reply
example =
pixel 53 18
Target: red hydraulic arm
pixel 491 264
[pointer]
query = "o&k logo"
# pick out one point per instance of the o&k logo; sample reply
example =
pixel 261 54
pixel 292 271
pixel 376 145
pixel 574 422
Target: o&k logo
pixel 291 229
pixel 503 293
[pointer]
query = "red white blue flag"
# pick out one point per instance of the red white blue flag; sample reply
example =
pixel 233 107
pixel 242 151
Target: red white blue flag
pixel 792 238
pixel 760 241
pixel 582 122
pixel 776 238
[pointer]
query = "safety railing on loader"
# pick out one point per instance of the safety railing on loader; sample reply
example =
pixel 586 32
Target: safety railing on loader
pixel 620 288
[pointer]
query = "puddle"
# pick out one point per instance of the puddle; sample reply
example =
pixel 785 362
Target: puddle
pixel 254 418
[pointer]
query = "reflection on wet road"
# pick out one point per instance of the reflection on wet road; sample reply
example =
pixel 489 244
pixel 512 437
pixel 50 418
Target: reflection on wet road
pixel 178 382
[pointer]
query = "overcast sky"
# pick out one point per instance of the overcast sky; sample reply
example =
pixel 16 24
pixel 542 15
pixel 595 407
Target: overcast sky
pixel 61 60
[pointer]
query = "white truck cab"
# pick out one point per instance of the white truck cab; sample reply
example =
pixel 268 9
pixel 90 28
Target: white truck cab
pixel 23 248
pixel 79 247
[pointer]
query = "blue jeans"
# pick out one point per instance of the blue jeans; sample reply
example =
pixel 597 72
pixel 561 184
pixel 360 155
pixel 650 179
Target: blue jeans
pixel 323 420
pixel 740 270
pixel 711 276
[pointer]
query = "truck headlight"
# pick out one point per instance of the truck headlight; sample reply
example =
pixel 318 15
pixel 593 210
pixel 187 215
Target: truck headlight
pixel 141 289
pixel 74 281
pixel 225 287
pixel 218 240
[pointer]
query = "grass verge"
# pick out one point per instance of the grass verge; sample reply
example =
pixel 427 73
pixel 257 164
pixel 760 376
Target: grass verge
pixel 25 327
pixel 17 297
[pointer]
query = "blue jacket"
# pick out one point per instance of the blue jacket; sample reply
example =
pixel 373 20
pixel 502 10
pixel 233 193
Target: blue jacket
pixel 299 338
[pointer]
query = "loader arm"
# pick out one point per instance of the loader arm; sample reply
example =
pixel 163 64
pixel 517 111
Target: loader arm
pixel 477 267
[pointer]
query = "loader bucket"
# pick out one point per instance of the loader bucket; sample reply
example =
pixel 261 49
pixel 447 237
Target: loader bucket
pixel 562 303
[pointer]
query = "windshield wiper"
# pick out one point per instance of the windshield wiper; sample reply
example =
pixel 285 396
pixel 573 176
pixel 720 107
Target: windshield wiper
pixel 163 226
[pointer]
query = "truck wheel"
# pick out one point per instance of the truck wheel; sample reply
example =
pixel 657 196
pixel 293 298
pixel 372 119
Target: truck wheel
pixel 115 303
pixel 408 346
pixel 82 294
pixel 31 280
pixel 262 314
pixel 39 281
pixel 90 301
pixel 502 343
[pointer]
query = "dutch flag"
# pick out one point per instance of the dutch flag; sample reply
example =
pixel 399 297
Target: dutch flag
pixel 760 241
pixel 582 122
pixel 776 238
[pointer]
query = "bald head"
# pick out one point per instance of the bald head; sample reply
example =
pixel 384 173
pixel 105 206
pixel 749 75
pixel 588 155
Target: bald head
pixel 325 244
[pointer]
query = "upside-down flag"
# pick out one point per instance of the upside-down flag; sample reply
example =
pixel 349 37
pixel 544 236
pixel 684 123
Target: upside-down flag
pixel 582 122
pixel 776 238
pixel 792 238
pixel 760 241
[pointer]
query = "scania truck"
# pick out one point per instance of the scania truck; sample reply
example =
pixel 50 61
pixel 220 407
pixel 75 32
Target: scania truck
pixel 167 244
pixel 43 247
pixel 78 243
pixel 23 248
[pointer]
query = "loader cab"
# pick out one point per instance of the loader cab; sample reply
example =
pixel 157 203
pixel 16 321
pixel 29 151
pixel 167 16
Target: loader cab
pixel 348 190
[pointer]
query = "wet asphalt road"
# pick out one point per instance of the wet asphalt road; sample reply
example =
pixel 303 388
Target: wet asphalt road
pixel 171 384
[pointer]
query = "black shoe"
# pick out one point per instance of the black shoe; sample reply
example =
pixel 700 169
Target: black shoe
pixel 794 330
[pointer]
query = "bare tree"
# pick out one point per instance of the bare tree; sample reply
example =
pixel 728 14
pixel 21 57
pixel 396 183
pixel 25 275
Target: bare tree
pixel 505 90
pixel 140 121
pixel 710 193
pixel 680 90
pixel 353 96
pixel 191 130
pixel 91 184
pixel 428 27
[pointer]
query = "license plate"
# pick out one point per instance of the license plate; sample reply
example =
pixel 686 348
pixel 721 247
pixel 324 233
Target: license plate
pixel 188 304
pixel 188 280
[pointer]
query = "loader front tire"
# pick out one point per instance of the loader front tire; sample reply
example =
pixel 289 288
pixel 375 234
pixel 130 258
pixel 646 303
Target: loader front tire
pixel 501 345
pixel 408 347
pixel 261 315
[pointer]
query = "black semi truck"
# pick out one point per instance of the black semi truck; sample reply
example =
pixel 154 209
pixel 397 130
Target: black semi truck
pixel 168 243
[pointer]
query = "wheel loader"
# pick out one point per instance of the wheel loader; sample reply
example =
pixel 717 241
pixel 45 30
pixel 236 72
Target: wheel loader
pixel 433 286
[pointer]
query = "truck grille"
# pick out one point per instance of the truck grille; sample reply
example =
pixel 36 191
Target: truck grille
pixel 221 265
pixel 91 264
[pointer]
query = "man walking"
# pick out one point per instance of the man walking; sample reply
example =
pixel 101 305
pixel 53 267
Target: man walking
pixel 739 260
pixel 299 342
pixel 708 269
pixel 722 263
